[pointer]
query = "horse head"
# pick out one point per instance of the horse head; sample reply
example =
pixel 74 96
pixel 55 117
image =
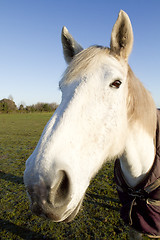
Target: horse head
pixel 89 126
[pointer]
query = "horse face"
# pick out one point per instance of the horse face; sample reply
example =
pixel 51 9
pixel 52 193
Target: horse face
pixel 87 127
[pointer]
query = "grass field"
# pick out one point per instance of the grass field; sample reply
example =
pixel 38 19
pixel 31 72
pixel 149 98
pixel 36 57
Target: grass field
pixel 99 217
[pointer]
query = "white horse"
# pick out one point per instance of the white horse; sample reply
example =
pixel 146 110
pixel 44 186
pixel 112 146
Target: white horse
pixel 105 113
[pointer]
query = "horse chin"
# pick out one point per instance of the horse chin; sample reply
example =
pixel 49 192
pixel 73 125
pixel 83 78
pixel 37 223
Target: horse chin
pixel 53 215
pixel 74 213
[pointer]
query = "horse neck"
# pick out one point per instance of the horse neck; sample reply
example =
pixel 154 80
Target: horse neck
pixel 139 153
pixel 138 156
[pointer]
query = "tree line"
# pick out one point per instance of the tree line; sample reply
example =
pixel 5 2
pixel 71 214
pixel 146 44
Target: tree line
pixel 9 106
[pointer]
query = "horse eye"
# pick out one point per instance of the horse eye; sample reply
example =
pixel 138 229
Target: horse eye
pixel 116 84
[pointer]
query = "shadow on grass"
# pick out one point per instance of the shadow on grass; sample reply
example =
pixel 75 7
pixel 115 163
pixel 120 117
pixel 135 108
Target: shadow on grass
pixel 10 177
pixel 21 231
pixel 103 197
pixel 92 198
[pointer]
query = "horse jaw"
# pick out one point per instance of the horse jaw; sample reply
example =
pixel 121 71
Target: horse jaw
pixel 139 154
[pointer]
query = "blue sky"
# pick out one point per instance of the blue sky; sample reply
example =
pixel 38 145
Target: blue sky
pixel 31 58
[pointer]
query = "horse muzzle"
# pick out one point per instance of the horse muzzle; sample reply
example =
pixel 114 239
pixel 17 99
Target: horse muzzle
pixel 53 202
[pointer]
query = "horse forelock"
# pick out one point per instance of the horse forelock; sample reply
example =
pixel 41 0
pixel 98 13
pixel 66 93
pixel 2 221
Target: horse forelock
pixel 83 63
pixel 140 105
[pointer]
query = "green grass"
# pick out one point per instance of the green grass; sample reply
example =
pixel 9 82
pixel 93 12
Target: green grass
pixel 99 217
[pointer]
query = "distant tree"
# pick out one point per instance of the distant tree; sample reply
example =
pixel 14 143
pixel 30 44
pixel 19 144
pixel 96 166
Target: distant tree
pixel 53 106
pixel 3 106
pixel 21 107
pixel 23 103
pixel 7 105
pixel 38 107
pixel 45 107
pixel 30 109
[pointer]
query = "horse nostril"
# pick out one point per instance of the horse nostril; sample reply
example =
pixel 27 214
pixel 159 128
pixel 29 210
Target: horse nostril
pixel 61 190
pixel 36 209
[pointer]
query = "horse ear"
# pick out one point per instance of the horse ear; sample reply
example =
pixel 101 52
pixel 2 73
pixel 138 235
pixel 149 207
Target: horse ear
pixel 70 46
pixel 122 36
